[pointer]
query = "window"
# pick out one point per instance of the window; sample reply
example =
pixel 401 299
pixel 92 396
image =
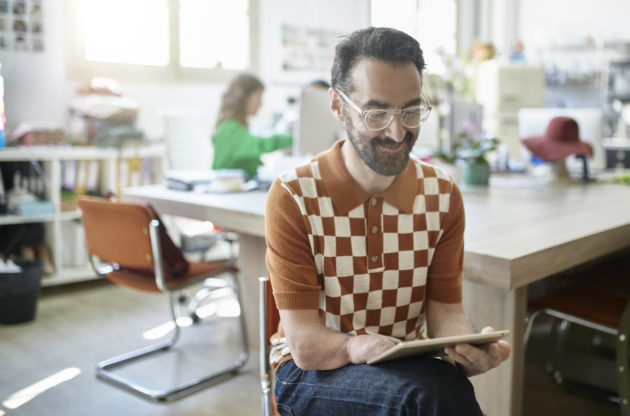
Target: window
pixel 401 15
pixel 432 22
pixel 169 34
pixel 126 31
pixel 214 33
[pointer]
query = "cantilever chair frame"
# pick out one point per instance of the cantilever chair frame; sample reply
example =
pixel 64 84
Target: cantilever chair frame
pixel 104 368
pixel 622 334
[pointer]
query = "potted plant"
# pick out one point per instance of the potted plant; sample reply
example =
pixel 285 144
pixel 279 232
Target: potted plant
pixel 471 150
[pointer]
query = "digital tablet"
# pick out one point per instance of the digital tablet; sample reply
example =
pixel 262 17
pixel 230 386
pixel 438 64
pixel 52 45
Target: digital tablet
pixel 435 346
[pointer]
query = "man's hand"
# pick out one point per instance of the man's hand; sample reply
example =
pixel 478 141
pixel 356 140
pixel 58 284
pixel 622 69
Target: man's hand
pixel 315 347
pixel 361 348
pixel 479 359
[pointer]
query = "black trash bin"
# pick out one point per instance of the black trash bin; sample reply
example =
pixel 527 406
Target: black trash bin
pixel 19 292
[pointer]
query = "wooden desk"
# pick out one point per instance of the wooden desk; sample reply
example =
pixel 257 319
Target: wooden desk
pixel 517 232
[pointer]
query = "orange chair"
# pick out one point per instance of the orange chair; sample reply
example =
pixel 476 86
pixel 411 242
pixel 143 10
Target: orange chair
pixel 134 250
pixel 268 325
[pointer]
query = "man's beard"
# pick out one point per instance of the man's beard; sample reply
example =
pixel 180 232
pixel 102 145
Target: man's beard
pixel 383 163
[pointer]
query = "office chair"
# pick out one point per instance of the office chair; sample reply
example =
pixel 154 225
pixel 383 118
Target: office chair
pixel 187 136
pixel 269 318
pixel 135 251
pixel 598 304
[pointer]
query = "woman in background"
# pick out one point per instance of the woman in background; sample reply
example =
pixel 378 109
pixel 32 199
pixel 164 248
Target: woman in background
pixel 234 146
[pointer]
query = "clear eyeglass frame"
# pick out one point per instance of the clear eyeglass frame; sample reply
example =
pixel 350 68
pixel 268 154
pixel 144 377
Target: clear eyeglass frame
pixel 380 119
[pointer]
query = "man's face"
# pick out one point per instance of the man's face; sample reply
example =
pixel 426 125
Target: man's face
pixel 381 85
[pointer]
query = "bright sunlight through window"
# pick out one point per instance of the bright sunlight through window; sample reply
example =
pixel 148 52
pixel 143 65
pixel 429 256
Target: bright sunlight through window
pixel 400 14
pixel 18 398
pixel 127 31
pixel 212 33
pixel 432 22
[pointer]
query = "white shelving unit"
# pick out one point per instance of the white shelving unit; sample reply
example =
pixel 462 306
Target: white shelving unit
pixel 63 232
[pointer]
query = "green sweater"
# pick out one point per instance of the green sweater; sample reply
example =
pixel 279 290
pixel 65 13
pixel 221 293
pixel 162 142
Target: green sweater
pixel 236 148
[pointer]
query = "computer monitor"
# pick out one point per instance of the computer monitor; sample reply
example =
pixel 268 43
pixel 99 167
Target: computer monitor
pixel 317 128
pixel 187 135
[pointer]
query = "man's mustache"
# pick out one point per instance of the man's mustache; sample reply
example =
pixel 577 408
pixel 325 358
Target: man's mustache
pixel 388 141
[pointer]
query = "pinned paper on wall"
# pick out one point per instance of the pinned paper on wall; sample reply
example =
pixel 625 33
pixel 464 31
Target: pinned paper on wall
pixel 21 25
pixel 307 49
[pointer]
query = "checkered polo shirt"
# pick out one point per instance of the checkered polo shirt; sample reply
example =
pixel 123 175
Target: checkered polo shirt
pixel 367 262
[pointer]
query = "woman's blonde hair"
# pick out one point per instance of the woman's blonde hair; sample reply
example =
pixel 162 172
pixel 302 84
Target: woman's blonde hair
pixel 234 100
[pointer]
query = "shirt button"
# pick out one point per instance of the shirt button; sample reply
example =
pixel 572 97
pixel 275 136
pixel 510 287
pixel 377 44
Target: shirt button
pixel 373 202
pixel 374 259
pixel 374 229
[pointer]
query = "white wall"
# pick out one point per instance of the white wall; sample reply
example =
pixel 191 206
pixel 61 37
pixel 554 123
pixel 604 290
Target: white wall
pixel 38 89
pixel 35 87
pixel 331 15
pixel 574 40
pixel 543 23
pixel 546 23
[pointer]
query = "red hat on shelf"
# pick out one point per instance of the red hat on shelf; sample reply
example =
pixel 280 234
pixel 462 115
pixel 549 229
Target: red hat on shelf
pixel 561 139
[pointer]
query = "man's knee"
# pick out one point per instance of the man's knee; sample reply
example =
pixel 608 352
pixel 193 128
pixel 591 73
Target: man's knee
pixel 443 390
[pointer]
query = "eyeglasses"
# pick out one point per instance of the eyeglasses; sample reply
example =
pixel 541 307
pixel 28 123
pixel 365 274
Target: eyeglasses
pixel 377 119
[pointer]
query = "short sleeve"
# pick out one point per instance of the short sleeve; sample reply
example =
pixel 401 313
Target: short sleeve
pixel 444 282
pixel 289 257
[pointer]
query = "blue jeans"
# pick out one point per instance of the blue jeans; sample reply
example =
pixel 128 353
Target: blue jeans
pixel 412 386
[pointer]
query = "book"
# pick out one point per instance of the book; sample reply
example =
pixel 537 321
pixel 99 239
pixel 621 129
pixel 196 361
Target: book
pixel 30 209
pixel 193 180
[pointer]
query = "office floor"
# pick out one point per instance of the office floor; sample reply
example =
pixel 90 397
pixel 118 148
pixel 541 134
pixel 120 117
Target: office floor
pixel 76 326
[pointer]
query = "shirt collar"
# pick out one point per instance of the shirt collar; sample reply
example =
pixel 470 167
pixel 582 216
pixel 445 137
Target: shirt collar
pixel 346 194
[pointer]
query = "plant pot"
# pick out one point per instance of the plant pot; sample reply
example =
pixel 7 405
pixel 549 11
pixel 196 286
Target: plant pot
pixel 476 173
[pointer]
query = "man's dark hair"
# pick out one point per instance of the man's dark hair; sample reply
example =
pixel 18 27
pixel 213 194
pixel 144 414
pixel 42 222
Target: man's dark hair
pixel 381 43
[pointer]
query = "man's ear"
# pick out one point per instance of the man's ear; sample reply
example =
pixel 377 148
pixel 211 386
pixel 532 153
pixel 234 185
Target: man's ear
pixel 336 103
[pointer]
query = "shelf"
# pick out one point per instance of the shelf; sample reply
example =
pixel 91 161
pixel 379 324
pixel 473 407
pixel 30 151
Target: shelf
pixel 18 219
pixel 63 231
pixel 70 275
pixel 148 150
pixel 69 215
pixel 48 153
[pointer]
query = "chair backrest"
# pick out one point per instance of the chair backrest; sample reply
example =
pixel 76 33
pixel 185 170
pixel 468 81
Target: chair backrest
pixel 118 232
pixel 269 319
pixel 272 316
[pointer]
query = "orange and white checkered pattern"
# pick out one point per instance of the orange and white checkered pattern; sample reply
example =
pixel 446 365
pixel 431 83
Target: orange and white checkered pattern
pixel 373 260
